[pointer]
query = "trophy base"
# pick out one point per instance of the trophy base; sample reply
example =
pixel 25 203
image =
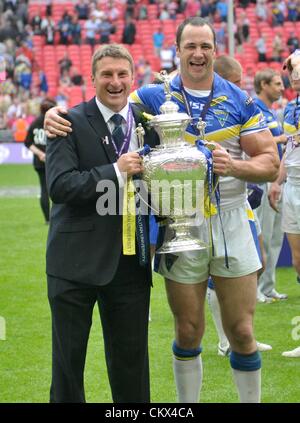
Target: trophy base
pixel 176 245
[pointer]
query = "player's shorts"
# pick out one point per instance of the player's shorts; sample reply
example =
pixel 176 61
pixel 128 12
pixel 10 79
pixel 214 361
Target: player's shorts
pixel 257 223
pixel 243 252
pixel 291 208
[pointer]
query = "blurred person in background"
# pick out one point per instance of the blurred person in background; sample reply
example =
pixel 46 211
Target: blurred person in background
pixel 36 142
pixel 290 172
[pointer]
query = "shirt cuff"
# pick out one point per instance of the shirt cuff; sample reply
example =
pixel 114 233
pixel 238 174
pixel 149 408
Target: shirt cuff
pixel 119 176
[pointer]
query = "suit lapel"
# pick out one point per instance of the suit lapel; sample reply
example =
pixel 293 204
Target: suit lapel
pixel 96 120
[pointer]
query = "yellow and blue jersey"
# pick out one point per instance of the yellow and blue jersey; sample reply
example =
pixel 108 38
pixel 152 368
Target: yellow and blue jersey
pixel 232 114
pixel 272 121
pixel 291 126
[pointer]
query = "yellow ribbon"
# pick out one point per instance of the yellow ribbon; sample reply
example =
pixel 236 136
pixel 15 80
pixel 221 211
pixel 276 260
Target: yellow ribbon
pixel 129 219
pixel 209 208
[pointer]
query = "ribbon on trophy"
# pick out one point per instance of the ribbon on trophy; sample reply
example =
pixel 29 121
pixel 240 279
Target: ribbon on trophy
pixel 129 223
pixel 134 222
pixel 212 187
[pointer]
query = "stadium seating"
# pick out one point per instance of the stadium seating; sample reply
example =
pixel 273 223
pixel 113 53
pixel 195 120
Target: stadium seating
pixel 48 56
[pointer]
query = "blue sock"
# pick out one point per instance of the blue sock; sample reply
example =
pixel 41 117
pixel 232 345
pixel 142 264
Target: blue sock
pixel 182 354
pixel 245 363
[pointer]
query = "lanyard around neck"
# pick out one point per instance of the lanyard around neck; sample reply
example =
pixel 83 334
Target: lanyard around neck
pixel 295 118
pixel 188 106
pixel 127 137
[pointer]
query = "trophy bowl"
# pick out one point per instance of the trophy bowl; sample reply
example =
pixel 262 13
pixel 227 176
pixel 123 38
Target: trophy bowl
pixel 175 174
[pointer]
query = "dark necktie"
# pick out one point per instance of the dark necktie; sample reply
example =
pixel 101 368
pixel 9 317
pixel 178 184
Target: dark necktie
pixel 117 133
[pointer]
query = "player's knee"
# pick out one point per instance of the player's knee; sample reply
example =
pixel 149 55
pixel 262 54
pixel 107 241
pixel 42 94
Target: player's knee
pixel 242 333
pixel 189 334
pixel 296 263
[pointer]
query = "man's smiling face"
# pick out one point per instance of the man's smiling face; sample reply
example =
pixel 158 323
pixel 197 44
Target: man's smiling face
pixel 196 53
pixel 113 81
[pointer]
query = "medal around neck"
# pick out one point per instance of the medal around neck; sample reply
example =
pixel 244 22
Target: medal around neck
pixel 175 174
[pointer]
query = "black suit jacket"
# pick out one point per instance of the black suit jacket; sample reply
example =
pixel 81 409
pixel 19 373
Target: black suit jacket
pixel 82 245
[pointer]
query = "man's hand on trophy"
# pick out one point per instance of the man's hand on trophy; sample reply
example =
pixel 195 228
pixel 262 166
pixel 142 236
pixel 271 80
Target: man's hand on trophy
pixel 54 124
pixel 222 161
pixel 130 163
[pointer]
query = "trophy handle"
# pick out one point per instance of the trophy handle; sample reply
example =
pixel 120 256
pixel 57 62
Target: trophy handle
pixel 140 133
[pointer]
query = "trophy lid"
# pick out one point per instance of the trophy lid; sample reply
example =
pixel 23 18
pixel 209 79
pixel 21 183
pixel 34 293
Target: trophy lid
pixel 169 109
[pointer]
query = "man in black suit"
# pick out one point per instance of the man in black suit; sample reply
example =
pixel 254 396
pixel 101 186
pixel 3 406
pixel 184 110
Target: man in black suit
pixel 85 259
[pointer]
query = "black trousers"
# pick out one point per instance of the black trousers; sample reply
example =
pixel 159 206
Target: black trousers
pixel 44 199
pixel 124 313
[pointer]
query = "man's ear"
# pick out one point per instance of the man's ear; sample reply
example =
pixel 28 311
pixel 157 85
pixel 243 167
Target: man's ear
pixel 288 65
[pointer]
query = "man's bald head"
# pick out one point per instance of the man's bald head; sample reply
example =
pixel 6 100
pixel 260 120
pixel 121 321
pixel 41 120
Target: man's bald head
pixel 229 68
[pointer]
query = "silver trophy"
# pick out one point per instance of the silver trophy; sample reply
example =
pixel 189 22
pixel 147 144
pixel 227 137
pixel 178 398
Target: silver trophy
pixel 175 174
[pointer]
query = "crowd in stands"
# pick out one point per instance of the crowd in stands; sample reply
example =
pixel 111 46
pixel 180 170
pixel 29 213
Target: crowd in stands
pixel 46 46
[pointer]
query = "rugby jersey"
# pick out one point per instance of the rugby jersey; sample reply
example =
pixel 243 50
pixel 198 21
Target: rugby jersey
pixel 291 126
pixel 272 121
pixel 232 113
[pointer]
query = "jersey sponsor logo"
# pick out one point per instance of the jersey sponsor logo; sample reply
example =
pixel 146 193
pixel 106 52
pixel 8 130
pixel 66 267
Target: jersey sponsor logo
pixel 170 260
pixel 249 100
pixel 222 116
pixel 218 100
pixel 178 96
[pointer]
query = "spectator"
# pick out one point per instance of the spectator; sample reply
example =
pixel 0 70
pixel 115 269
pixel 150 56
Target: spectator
pixel 158 40
pixel 245 23
pixel 221 36
pixel 261 10
pixel 164 14
pixel 277 13
pixel 143 12
pixel 167 56
pixel 65 63
pixel 36 142
pixel 91 27
pixel 277 48
pixel 292 42
pixel 143 72
pixel 193 8
pixel 48 29
pixel 76 78
pixel 64 27
pixel 20 128
pixel 261 49
pixel 105 28
pixel 36 22
pixel 292 13
pixel 113 13
pixel 75 33
pixel 222 9
pixel 129 32
pixel 82 10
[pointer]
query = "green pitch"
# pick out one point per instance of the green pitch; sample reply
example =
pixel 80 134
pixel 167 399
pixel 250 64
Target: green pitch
pixel 25 354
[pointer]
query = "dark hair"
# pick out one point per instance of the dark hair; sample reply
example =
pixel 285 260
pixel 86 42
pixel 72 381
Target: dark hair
pixel 46 104
pixel 194 21
pixel 265 75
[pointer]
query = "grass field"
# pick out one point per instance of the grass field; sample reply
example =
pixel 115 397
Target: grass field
pixel 25 355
